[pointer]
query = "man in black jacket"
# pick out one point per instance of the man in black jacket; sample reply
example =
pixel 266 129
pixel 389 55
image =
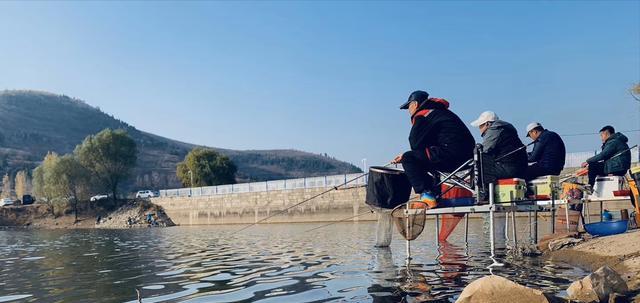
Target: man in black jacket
pixel 615 158
pixel 439 141
pixel 502 145
pixel 548 154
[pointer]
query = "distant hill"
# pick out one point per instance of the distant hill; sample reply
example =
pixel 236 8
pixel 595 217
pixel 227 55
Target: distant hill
pixel 33 123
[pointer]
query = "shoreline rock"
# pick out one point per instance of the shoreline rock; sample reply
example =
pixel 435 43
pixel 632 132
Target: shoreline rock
pixel 599 286
pixel 616 255
pixel 614 262
pixel 136 215
pixel 498 289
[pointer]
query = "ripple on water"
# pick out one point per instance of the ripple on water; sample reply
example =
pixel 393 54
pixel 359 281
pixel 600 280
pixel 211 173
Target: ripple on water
pixel 272 263
pixel 13 297
pixel 219 277
pixel 172 273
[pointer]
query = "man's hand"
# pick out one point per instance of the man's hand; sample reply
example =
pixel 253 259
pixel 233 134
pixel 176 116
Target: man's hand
pixel 585 164
pixel 397 159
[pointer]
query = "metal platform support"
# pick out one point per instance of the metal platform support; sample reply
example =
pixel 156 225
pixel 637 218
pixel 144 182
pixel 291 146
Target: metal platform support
pixel 438 229
pixel 535 226
pixel 505 232
pixel 492 238
pixel 530 227
pixel 514 232
pixel 566 215
pixel 407 231
pixel 466 228
pixel 553 212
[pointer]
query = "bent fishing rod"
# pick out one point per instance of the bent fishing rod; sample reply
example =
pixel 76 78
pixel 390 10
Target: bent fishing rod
pixel 304 201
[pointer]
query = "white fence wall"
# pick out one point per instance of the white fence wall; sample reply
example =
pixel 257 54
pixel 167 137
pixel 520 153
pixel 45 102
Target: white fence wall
pixel 288 184
pixel 576 159
pixel 572 160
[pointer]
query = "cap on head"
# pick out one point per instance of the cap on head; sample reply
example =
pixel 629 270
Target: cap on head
pixel 531 126
pixel 418 96
pixel 485 117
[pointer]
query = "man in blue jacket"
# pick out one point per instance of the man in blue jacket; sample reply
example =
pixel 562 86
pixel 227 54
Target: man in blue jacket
pixel 548 154
pixel 615 158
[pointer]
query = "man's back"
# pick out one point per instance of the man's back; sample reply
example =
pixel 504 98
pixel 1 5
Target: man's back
pixel 500 139
pixel 447 139
pixel 549 152
pixel 618 157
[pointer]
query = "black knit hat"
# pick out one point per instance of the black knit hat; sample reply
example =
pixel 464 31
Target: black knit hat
pixel 418 96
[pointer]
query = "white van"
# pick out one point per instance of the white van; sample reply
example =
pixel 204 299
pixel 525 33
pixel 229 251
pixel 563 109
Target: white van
pixel 6 202
pixel 143 194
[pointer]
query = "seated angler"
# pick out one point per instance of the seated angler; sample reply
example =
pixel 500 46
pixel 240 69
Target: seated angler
pixel 502 147
pixel 615 158
pixel 548 154
pixel 439 142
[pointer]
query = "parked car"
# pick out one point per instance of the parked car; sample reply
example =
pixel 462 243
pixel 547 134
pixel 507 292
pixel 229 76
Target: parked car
pixel 28 199
pixel 6 202
pixel 143 194
pixel 98 198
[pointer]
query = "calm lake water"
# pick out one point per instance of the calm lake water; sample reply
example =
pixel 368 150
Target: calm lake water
pixel 267 263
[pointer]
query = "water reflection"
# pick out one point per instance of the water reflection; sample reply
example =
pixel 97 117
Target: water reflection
pixel 453 262
pixel 270 263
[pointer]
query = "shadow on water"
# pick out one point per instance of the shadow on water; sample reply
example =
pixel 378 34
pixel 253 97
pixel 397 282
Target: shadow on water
pixel 268 263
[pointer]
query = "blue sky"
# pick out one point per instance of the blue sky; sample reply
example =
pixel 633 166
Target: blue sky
pixel 328 77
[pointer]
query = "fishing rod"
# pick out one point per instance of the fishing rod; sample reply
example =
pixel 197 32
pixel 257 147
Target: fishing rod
pixel 583 171
pixel 515 151
pixel 620 153
pixel 304 201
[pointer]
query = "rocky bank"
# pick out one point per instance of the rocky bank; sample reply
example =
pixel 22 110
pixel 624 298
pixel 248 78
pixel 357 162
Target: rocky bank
pixel 135 213
pixel 614 262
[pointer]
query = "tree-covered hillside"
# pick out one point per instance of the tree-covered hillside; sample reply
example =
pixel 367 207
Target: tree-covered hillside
pixel 33 123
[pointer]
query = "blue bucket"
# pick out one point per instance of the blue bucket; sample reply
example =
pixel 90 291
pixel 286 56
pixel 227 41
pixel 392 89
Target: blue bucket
pixel 601 229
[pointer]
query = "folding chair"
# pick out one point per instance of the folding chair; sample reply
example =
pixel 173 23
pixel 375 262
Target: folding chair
pixel 469 175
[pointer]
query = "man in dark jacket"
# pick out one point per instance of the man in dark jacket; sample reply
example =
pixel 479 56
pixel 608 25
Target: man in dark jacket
pixel 439 141
pixel 548 154
pixel 502 145
pixel 615 158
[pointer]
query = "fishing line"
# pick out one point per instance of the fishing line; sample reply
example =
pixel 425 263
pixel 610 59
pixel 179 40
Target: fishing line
pixel 370 211
pixel 304 201
pixel 590 134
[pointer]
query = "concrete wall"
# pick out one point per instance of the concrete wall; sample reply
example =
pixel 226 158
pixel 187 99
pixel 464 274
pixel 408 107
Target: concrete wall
pixel 246 208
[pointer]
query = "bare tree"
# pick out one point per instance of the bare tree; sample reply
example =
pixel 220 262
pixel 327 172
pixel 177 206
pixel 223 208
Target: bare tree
pixel 6 186
pixel 21 184
pixel 42 180
pixel 635 92
pixel 70 181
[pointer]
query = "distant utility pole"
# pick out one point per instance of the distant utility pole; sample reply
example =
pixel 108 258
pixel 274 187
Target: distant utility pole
pixel 191 183
pixel 635 93
pixel 364 165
